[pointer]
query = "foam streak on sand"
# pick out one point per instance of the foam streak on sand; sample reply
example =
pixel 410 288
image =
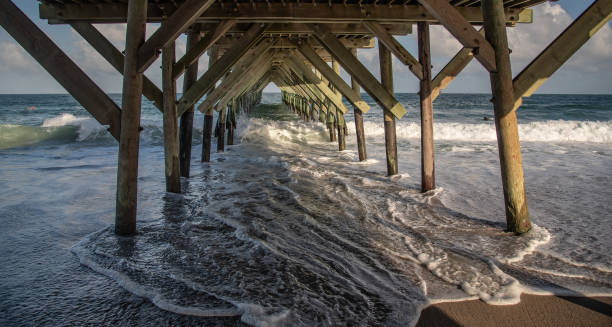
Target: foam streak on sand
pixel 283 232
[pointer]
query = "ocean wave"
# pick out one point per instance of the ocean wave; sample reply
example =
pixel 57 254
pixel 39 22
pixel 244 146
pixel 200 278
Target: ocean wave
pixel 545 131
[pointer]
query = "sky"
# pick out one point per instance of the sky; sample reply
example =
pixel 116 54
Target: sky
pixel 588 71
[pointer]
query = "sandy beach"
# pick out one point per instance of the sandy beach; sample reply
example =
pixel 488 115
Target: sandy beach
pixel 532 311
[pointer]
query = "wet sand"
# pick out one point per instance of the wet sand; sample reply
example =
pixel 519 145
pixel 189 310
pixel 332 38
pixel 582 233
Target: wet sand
pixel 554 311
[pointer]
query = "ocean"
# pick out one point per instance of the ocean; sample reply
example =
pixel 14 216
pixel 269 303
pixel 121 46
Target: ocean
pixel 284 230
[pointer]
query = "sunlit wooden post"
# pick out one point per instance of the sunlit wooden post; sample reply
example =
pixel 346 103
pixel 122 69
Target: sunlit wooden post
pixel 517 213
pixel 339 115
pixel 428 181
pixel 361 144
pixel 127 170
pixel 386 78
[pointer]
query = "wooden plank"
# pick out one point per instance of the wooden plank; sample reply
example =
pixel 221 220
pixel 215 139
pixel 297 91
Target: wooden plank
pixel 353 97
pixel 212 36
pixel 60 66
pixel 127 170
pixel 308 91
pixel 252 58
pixel 170 124
pixel 114 57
pixel 513 180
pixel 462 30
pixel 396 48
pixel 274 12
pixel 428 177
pixel 356 69
pixel 561 49
pixel 172 27
pixel 221 66
pixel 452 70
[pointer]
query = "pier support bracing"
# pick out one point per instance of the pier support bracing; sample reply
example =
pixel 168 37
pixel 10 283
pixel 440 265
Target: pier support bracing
pixel 186 131
pixel 386 78
pixel 428 181
pixel 517 213
pixel 171 142
pixel 127 170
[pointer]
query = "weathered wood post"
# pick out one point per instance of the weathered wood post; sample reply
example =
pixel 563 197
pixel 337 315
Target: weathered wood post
pixel 428 181
pixel 361 145
pixel 208 116
pixel 339 115
pixel 386 78
pixel 221 129
pixel 186 128
pixel 171 142
pixel 331 122
pixel 517 213
pixel 127 170
pixel 230 122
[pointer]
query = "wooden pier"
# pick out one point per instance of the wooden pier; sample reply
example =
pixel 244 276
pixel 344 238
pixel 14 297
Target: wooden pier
pixel 251 43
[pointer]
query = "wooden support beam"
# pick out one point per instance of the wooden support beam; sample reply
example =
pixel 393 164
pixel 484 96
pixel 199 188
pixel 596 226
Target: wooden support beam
pixel 359 130
pixel 308 90
pixel 452 70
pixel 212 36
pixel 186 114
pixel 254 73
pixel 170 123
pixel 513 180
pixel 127 170
pixel 561 49
pixel 221 118
pixel 220 67
pixel 353 97
pixel 396 48
pixel 428 179
pixel 340 123
pixel 356 69
pixel 309 77
pixel 207 128
pixel 61 67
pixel 462 30
pixel 386 77
pixel 114 57
pixel 253 57
pixel 276 12
pixel 176 24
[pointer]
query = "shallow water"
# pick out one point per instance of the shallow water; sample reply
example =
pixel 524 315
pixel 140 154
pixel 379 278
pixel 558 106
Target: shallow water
pixel 284 229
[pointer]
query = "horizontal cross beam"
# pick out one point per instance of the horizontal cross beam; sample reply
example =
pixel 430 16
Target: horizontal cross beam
pixel 274 12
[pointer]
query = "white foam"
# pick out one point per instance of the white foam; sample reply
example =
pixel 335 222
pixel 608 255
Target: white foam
pixel 87 127
pixel 545 131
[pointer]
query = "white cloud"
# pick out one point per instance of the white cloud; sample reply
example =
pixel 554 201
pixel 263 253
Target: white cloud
pixel 14 57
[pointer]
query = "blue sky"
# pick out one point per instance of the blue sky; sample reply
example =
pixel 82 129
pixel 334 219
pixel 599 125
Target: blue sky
pixel 589 71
